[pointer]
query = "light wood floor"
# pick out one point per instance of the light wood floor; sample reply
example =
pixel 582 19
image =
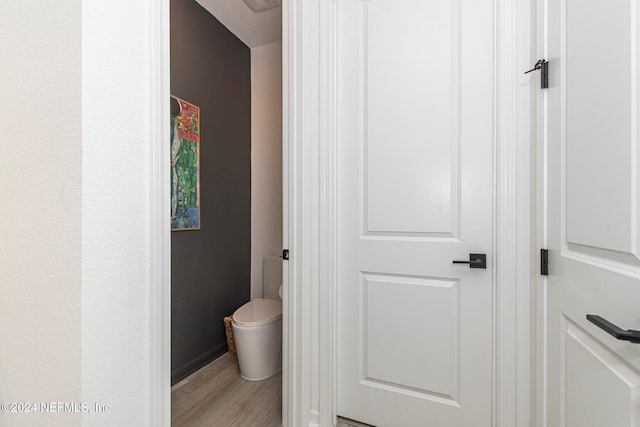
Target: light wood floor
pixel 217 395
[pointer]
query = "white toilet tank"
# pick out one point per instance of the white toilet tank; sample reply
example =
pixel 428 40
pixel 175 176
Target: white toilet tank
pixel 271 277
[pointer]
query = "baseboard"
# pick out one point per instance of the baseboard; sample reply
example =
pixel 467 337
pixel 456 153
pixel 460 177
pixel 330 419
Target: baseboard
pixel 346 422
pixel 197 363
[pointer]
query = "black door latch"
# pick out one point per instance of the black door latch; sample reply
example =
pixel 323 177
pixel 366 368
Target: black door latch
pixel 543 66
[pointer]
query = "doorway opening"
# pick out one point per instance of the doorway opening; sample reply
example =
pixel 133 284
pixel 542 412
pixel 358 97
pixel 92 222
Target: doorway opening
pixel 226 61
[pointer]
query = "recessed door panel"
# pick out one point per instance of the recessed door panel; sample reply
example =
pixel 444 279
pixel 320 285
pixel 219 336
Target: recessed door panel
pixel 600 388
pixel 409 323
pixel 601 140
pixel 411 117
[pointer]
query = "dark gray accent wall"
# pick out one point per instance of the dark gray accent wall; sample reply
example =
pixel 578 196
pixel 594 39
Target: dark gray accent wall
pixel 210 268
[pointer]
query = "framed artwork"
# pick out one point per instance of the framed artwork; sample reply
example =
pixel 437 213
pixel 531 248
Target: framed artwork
pixel 185 165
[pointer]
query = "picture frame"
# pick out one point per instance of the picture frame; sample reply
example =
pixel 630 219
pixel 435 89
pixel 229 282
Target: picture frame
pixel 185 165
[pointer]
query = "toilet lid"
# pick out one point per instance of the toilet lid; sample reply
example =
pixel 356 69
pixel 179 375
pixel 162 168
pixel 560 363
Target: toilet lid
pixel 258 312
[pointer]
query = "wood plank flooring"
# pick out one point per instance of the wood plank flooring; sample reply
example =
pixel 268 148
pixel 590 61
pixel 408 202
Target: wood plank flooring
pixel 217 396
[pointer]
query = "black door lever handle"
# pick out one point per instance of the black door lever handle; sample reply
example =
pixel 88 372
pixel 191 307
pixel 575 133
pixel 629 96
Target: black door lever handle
pixel 475 261
pixel 628 335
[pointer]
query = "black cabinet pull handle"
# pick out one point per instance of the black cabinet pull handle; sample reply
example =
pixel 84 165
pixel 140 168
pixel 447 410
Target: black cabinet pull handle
pixel 475 261
pixel 610 328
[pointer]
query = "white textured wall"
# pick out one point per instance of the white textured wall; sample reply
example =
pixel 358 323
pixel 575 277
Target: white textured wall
pixel 116 264
pixel 266 158
pixel 40 180
pixel 74 217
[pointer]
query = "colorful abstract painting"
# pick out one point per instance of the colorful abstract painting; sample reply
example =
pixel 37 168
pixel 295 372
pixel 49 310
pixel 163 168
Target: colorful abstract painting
pixel 185 165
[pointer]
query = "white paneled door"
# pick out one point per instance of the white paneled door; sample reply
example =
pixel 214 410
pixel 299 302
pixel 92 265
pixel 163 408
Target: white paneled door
pixel 415 182
pixel 593 379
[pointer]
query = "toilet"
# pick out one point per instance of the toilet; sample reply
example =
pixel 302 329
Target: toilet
pixel 257 327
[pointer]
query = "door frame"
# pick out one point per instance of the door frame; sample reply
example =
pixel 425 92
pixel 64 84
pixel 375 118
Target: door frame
pixel 541 220
pixel 159 243
pixel 309 46
pixel 309 214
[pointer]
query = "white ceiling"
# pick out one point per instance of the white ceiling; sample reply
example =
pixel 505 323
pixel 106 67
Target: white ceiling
pixel 254 29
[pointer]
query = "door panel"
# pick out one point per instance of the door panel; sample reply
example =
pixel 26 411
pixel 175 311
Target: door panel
pixel 592 162
pixel 407 95
pixel 600 129
pixel 415 184
pixel 599 390
pixel 433 306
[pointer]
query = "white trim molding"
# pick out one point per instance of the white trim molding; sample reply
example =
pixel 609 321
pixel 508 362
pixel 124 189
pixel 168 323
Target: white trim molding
pixel 505 221
pixel 159 217
pixel 541 220
pixel 309 159
pixel 328 215
pixel 514 400
pixel 308 386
